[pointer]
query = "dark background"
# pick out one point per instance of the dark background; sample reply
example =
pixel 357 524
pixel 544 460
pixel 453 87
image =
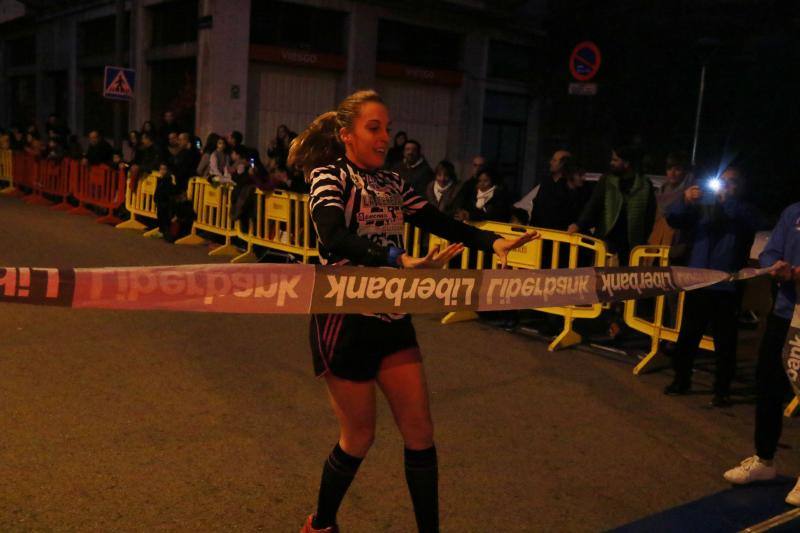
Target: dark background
pixel 649 81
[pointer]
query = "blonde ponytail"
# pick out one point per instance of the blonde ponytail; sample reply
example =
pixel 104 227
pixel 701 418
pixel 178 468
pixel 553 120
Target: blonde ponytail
pixel 320 144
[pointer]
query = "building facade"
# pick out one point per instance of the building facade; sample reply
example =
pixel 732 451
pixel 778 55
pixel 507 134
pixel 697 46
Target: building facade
pixel 457 75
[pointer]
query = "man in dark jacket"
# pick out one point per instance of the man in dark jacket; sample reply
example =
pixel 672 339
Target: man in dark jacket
pixel 559 200
pixel 168 125
pixel 722 227
pixel 99 151
pixel 414 169
pixel 147 158
pixel 184 162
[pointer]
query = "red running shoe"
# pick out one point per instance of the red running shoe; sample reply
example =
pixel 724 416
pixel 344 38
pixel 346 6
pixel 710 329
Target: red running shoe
pixel 308 528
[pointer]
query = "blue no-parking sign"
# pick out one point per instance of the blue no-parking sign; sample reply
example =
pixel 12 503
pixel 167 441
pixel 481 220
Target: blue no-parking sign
pixel 118 83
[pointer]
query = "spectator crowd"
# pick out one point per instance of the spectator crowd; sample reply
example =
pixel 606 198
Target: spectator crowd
pixel 176 155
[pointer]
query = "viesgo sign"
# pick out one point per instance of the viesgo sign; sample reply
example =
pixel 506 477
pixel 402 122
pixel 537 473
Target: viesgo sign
pixel 428 75
pixel 291 56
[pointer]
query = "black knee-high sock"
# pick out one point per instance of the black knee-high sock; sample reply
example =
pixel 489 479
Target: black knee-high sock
pixel 422 475
pixel 337 474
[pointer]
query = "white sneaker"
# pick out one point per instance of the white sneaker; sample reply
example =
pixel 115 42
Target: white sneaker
pixel 752 469
pixel 793 498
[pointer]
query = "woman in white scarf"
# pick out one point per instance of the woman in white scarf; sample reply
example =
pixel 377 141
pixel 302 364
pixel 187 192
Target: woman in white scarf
pixel 489 201
pixel 484 195
pixel 443 191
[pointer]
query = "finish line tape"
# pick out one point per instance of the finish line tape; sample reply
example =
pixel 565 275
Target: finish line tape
pixel 304 289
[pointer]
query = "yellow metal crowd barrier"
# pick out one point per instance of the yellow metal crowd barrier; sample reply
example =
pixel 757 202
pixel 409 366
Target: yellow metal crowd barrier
pixel 141 202
pixel 5 172
pixel 531 256
pixel 282 223
pixel 212 207
pixel 655 328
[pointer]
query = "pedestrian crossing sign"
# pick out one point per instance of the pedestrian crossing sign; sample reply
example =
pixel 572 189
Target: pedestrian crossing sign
pixel 118 83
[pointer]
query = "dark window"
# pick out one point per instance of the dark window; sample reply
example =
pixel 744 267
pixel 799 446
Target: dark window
pixel 511 61
pixel 97 37
pixel 505 106
pixel 174 22
pixel 173 88
pixel 418 46
pixel 22 51
pixel 297 26
pixel 23 100
pixel 504 133
pixel 57 82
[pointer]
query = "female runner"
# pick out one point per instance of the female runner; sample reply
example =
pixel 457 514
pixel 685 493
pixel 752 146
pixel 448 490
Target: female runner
pixel 358 211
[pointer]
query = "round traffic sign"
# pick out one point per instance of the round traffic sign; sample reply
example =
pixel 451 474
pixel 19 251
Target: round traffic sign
pixel 584 62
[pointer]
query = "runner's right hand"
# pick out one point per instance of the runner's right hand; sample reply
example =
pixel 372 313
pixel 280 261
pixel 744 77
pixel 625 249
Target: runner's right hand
pixel 434 259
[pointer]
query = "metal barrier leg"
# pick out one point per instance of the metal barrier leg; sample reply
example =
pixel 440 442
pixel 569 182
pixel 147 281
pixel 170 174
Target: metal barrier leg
pixel 110 218
pixel 11 191
pixel 63 206
pixel 193 239
pixel 247 257
pixel 80 210
pixel 37 199
pixel 568 336
pixel 792 407
pixel 154 233
pixel 227 249
pixel 655 341
pixel 459 316
pixel 131 223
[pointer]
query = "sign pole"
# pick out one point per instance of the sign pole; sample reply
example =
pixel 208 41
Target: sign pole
pixel 118 46
pixel 699 109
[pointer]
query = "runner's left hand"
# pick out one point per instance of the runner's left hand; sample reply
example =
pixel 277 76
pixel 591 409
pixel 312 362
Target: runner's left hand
pixel 503 246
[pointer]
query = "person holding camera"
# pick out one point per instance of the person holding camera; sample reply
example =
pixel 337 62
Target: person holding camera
pixel 721 227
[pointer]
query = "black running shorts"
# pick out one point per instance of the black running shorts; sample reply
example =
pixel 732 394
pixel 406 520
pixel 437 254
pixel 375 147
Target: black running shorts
pixel 352 347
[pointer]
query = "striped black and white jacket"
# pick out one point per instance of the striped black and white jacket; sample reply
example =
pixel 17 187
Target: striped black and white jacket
pixel 359 214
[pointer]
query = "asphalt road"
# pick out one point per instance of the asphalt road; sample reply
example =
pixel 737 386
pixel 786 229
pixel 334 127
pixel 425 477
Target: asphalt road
pixel 160 421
